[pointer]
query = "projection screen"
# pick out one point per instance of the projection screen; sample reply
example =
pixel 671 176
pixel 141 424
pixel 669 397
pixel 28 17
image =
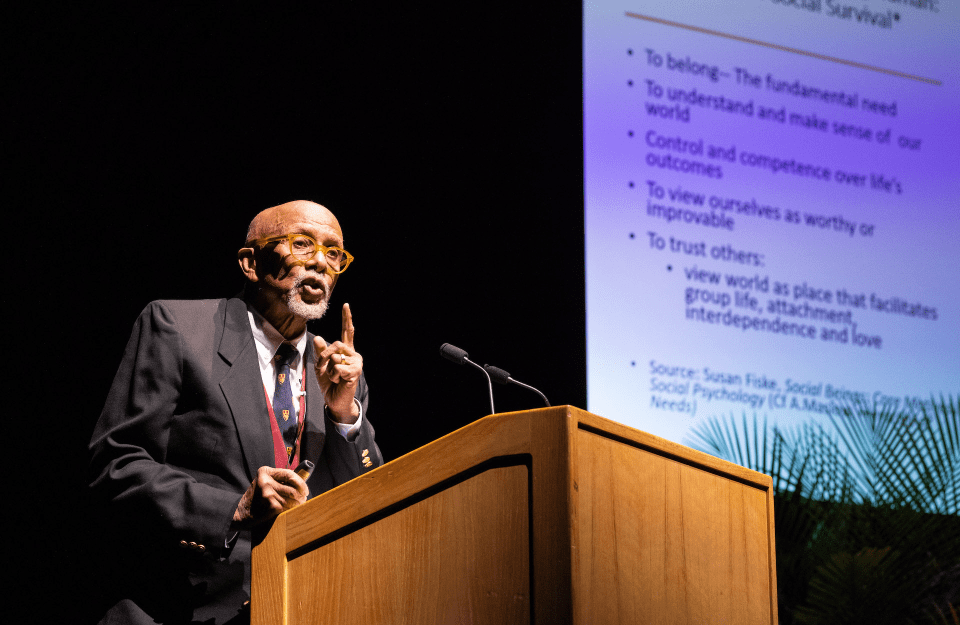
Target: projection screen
pixel 772 191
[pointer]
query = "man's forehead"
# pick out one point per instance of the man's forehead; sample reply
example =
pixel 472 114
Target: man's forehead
pixel 279 219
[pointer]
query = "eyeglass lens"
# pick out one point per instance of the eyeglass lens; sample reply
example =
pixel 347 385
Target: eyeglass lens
pixel 303 248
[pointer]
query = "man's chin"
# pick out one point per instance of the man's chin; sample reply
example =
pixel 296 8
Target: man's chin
pixel 305 310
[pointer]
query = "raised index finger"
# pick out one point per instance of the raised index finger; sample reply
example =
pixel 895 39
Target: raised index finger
pixel 346 334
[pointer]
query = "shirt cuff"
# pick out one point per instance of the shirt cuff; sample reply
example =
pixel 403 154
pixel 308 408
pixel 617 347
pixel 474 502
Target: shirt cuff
pixel 349 430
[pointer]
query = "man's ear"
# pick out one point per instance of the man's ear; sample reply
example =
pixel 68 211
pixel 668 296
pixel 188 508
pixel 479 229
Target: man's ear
pixel 247 258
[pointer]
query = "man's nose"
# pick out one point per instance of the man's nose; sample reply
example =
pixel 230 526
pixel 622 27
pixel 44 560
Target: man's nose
pixel 319 262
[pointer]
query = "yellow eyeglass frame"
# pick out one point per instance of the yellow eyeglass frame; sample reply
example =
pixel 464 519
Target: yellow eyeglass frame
pixel 343 254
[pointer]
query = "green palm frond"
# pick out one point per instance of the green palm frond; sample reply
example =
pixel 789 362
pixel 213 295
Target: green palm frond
pixel 904 456
pixel 948 616
pixel 851 588
pixel 867 509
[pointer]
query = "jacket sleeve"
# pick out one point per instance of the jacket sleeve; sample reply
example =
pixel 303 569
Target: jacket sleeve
pixel 346 459
pixel 128 472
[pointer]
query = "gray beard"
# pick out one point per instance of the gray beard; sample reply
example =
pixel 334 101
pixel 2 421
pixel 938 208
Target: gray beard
pixel 300 308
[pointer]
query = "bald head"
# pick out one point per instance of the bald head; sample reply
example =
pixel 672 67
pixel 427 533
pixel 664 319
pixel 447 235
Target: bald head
pixel 277 220
pixel 285 288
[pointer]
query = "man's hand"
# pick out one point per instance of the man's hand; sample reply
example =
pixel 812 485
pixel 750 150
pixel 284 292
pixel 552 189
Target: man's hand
pixel 338 371
pixel 272 492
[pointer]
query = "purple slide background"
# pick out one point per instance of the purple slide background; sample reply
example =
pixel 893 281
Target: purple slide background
pixel 649 365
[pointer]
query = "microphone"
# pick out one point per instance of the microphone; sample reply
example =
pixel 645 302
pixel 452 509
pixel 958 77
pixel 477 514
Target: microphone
pixel 457 355
pixel 502 377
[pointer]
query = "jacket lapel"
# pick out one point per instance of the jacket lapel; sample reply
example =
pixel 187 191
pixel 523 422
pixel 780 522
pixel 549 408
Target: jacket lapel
pixel 242 388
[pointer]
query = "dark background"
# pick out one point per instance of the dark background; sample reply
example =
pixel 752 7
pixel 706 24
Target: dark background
pixel 446 137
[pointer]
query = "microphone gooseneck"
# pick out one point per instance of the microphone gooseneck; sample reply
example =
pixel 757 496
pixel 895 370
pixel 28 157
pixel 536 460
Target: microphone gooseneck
pixel 502 377
pixel 459 356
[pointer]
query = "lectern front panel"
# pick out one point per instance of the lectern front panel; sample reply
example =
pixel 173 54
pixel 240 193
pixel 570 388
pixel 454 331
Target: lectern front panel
pixel 467 561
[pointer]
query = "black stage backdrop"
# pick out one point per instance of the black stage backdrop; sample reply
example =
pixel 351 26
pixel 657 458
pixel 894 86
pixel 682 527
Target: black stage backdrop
pixel 446 138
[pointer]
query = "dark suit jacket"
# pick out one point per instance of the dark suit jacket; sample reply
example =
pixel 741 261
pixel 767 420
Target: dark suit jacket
pixel 184 430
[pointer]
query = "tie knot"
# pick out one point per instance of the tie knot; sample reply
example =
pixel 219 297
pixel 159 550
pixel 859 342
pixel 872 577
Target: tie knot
pixel 286 354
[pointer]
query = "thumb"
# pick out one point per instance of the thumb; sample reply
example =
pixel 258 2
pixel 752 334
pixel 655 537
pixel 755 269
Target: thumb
pixel 321 364
pixel 319 344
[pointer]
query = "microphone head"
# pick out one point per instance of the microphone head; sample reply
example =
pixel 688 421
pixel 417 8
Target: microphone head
pixel 453 353
pixel 497 375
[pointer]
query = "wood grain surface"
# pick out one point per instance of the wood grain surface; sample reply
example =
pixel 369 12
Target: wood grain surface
pixel 552 516
pixel 662 542
pixel 460 556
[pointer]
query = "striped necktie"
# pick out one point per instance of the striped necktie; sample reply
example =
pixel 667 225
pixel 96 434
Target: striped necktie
pixel 283 397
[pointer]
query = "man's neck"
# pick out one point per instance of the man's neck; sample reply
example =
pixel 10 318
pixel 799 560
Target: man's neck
pixel 275 311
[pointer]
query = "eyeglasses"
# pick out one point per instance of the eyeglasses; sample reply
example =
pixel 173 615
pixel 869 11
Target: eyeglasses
pixel 304 247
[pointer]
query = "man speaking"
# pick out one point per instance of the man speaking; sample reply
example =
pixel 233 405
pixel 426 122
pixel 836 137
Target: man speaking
pixel 213 406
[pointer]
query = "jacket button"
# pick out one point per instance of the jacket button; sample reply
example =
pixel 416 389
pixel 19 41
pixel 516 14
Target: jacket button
pixel 183 544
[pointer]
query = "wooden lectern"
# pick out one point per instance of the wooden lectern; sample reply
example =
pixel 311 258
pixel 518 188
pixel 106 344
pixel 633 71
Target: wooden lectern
pixel 547 516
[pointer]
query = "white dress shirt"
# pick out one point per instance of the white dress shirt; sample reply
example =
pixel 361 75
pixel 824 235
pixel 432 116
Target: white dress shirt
pixel 268 341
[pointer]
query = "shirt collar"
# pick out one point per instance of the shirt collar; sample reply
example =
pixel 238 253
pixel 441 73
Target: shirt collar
pixel 268 339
